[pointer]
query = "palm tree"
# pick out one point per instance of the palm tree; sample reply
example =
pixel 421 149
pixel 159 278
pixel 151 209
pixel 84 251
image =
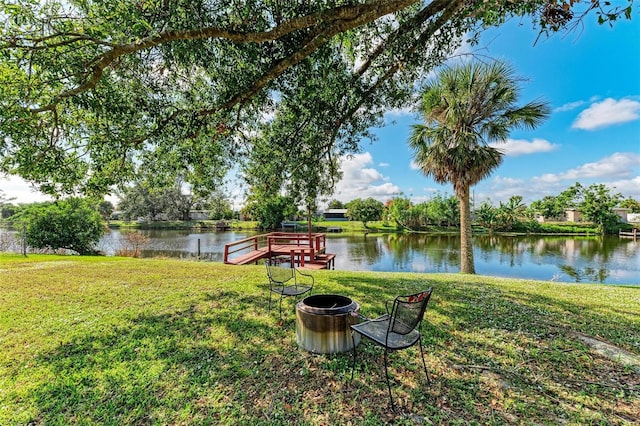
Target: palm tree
pixel 512 211
pixel 465 109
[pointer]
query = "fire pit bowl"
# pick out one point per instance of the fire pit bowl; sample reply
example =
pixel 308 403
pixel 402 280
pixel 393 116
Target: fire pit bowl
pixel 322 323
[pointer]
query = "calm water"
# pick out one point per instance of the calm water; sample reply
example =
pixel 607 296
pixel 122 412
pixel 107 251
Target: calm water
pixel 577 259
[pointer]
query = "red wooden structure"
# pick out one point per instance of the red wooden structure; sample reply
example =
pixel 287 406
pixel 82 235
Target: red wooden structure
pixel 305 250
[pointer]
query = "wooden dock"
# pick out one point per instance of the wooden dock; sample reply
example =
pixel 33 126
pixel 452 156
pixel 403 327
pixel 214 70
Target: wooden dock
pixel 304 250
pixel 629 234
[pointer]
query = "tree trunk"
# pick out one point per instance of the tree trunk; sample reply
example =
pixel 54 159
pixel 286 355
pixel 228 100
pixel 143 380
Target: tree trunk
pixel 309 227
pixel 466 246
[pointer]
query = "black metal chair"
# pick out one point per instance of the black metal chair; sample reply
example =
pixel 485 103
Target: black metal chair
pixel 287 282
pixel 398 329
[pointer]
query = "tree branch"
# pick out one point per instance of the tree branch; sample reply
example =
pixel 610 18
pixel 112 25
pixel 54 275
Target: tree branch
pixel 339 19
pixel 451 7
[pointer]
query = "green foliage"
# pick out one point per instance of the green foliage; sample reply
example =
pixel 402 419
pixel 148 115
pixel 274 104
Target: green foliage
pixel 509 216
pixel 630 203
pixel 105 208
pixel 73 224
pixel 437 211
pixel 93 92
pixel 596 205
pixel 562 228
pixel 511 213
pixel 550 207
pixel 156 203
pixel 270 211
pixel 443 210
pixel 487 216
pixel 335 204
pixel 399 210
pixel 6 208
pixel 219 206
pixel 365 211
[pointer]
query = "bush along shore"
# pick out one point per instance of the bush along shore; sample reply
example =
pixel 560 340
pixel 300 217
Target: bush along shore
pixel 357 227
pixel 109 340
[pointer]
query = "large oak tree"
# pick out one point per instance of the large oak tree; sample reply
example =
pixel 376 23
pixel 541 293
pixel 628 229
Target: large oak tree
pixel 91 90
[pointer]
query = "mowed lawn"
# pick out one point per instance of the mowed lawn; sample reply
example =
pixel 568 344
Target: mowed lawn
pixel 97 340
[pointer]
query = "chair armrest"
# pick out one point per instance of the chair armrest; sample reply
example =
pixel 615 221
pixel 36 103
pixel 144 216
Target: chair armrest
pixel 387 307
pixel 306 276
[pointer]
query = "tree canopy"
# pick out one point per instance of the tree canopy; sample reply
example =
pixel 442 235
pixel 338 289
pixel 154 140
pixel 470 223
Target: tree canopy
pixel 73 224
pixel 366 210
pixel 91 91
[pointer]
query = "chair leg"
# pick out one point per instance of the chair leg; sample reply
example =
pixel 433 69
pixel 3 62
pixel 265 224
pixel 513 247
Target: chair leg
pixel 269 300
pixel 424 364
pixel 355 354
pixel 281 306
pixel 386 373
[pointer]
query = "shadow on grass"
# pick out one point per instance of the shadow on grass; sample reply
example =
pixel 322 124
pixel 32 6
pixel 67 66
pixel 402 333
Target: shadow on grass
pixel 509 356
pixel 494 358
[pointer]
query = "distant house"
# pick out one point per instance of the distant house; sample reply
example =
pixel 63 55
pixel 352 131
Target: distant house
pixel 633 217
pixel 573 215
pixel 199 214
pixel 335 214
pixel 622 213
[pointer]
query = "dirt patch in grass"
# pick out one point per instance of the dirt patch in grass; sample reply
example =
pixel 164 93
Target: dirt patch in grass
pixel 611 351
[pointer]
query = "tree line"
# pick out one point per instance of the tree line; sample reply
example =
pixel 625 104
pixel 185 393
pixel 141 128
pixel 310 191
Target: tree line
pixel 595 204
pixel 77 224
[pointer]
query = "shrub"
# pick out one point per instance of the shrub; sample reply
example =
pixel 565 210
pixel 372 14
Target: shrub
pixel 73 224
pixel 133 244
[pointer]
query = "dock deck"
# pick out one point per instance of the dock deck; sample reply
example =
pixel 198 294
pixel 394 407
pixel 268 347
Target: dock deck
pixel 305 250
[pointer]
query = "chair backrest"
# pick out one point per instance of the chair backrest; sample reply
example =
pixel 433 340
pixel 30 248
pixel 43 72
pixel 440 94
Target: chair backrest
pixel 278 275
pixel 408 311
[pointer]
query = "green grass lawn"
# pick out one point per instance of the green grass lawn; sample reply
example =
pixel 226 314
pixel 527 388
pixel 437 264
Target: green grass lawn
pixel 97 340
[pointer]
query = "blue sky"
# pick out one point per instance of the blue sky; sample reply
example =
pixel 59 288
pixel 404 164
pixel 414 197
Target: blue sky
pixel 591 78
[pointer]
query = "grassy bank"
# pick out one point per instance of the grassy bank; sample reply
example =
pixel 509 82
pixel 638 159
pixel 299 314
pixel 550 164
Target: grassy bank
pixel 100 340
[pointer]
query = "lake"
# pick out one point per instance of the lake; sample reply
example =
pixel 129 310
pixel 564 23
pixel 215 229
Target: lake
pixel 608 259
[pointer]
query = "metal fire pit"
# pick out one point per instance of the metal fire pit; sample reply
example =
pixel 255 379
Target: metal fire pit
pixel 322 323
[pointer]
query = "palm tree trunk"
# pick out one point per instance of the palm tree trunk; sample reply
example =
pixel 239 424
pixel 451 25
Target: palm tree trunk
pixel 466 246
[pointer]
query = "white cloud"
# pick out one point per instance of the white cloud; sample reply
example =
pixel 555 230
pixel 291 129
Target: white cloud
pixel 619 165
pixel 21 190
pixel 515 147
pixel 607 113
pixel 360 180
pixel 392 114
pixel 627 187
pixel 618 171
pixel 569 106
pixel 502 188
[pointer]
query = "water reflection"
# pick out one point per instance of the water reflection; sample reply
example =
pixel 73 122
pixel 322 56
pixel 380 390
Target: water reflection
pixel 579 259
pixel 177 243
pixel 551 258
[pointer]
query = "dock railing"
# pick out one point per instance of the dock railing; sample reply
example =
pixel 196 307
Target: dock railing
pixel 264 245
pixel 244 246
